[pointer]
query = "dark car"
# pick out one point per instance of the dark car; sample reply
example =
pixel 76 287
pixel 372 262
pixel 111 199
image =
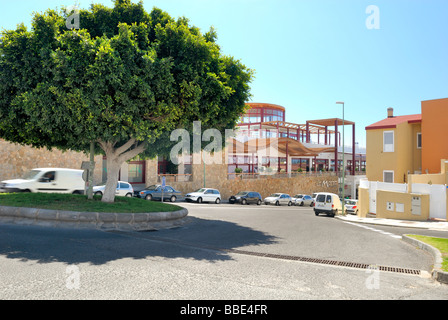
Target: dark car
pixel 246 197
pixel 155 193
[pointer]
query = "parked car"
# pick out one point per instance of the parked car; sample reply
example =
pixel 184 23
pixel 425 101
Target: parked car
pixel 204 195
pixel 303 200
pixel 246 197
pixel 314 197
pixel 279 199
pixel 155 193
pixel 328 203
pixel 47 180
pixel 351 206
pixel 124 189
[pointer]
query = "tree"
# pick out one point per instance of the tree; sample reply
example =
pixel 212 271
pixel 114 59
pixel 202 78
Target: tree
pixel 124 80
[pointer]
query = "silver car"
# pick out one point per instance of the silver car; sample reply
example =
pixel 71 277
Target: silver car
pixel 204 195
pixel 303 200
pixel 279 199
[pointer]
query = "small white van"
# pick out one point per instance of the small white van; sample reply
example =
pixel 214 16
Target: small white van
pixel 47 180
pixel 328 203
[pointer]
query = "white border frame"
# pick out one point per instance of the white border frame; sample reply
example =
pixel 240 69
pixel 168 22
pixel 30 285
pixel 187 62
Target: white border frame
pixel 393 175
pixel 421 141
pixel 393 144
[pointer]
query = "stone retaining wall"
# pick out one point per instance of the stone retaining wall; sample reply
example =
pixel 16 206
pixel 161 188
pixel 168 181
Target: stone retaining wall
pixel 265 186
pixel 16 160
pixel 94 220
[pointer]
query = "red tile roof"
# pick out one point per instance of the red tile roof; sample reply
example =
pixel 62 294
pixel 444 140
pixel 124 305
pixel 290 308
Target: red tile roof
pixel 392 122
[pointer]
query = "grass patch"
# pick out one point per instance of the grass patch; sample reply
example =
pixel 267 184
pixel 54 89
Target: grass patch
pixel 439 243
pixel 80 203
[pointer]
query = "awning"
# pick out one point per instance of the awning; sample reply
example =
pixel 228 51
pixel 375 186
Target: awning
pixel 288 146
pixel 285 126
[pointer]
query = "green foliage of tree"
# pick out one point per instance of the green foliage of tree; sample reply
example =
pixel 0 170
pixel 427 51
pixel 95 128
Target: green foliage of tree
pixel 125 80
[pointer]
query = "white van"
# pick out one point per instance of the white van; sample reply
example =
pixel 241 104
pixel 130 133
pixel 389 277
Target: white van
pixel 328 203
pixel 47 180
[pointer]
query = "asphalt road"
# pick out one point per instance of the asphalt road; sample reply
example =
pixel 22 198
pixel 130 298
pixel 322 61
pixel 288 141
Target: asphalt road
pixel 297 231
pixel 226 252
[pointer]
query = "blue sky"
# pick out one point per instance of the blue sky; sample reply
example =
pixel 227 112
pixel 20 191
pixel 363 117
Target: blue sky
pixel 308 54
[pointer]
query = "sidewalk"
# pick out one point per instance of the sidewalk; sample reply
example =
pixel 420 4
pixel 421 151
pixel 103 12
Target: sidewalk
pixel 432 225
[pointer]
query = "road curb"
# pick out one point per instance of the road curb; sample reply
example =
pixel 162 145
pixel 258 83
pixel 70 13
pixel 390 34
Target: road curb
pixel 379 223
pixel 152 221
pixel 437 273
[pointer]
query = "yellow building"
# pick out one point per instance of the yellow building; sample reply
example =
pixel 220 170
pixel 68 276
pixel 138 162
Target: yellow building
pixel 394 148
pixel 407 170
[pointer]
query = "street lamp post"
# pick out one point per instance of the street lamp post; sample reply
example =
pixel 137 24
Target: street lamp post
pixel 343 155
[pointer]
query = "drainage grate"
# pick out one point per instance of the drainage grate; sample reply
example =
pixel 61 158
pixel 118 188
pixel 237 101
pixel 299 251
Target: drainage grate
pixel 328 262
pixel 287 257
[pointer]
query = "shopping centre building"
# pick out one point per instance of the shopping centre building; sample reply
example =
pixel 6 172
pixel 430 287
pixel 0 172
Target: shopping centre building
pixel 314 146
pixel 295 158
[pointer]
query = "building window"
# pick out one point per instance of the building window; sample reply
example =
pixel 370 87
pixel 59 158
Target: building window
pixel 273 115
pixel 419 140
pixel 388 141
pixel 388 176
pixel 136 172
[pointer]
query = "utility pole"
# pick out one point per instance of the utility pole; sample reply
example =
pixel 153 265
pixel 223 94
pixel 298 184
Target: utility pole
pixel 343 156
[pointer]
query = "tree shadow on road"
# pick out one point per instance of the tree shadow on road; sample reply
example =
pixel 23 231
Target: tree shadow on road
pixel 200 239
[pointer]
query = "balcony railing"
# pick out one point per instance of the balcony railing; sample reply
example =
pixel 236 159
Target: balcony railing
pixel 277 175
pixel 175 178
pixel 170 178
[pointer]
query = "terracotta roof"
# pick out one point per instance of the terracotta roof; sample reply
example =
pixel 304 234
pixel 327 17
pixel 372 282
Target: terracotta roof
pixel 264 105
pixel 392 122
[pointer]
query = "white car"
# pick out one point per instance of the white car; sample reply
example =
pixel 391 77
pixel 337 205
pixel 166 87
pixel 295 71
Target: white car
pixel 204 195
pixel 302 200
pixel 351 206
pixel 124 189
pixel 279 199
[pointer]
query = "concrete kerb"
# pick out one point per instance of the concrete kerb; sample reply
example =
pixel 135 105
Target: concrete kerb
pixel 437 272
pixel 94 220
pixel 428 225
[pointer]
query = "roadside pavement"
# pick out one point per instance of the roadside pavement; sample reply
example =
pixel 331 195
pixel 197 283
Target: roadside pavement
pixel 431 225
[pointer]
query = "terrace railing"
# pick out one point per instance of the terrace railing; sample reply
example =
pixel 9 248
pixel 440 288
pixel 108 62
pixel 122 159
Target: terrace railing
pixel 175 178
pixel 278 175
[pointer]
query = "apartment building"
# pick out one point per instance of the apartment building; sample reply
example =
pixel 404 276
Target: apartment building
pixel 394 148
pixel 407 172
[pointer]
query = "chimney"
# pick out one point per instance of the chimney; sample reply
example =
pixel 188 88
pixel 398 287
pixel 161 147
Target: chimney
pixel 390 112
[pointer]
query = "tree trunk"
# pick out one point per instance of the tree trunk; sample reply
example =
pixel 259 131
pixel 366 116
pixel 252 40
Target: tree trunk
pixel 113 170
pixel 115 159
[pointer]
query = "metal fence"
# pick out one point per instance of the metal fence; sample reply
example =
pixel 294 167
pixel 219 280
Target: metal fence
pixel 175 178
pixel 278 175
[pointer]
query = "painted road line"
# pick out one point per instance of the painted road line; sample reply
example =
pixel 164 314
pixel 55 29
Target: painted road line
pixel 375 230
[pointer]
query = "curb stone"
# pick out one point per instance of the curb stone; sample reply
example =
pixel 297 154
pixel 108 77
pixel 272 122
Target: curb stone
pixel 101 221
pixel 437 273
pixel 440 226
